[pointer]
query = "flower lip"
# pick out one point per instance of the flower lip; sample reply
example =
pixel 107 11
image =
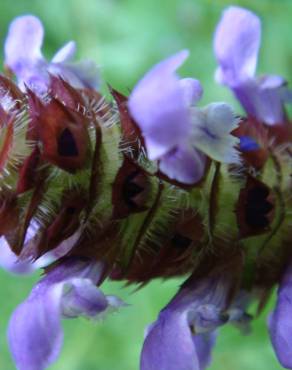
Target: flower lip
pixel 236 44
pixel 184 334
pixel 158 105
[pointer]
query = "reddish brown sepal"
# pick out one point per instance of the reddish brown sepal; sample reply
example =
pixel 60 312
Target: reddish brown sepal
pixel 101 243
pixel 258 132
pixel 27 172
pixel 7 129
pixel 65 93
pixel 63 135
pixel 175 256
pixel 9 89
pixel 96 105
pixel 255 208
pixel 130 131
pixel 9 214
pixel 18 236
pixel 34 107
pixel 130 190
pixel 63 226
pixel 280 134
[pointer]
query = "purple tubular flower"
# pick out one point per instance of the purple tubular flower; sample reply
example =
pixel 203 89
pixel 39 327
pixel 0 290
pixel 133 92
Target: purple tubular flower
pixel 35 335
pixel 236 45
pixel 184 334
pixel 280 322
pixel 24 57
pixel 160 106
pixel 177 133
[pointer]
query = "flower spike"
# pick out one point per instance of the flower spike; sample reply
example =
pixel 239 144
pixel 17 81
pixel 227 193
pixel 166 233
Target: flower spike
pixel 147 186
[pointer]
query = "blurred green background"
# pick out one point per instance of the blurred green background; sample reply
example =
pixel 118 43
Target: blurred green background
pixel 126 37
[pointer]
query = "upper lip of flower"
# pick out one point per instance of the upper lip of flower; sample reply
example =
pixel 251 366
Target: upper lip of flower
pixel 236 45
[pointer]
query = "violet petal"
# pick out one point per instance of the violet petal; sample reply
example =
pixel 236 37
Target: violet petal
pixel 169 344
pixel 66 53
pixel 236 44
pixel 184 164
pixel 35 334
pixel 23 43
pixel 204 344
pixel 158 105
pixel 192 89
pixel 212 127
pixel 263 100
pixel 280 322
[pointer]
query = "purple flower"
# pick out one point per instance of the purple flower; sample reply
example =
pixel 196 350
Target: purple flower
pixel 280 321
pixel 184 334
pixel 35 335
pixel 236 44
pixel 24 57
pixel 26 263
pixel 10 262
pixel 176 133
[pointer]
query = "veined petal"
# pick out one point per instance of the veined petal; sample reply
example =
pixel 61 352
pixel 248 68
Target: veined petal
pixel 220 119
pixel 159 107
pixel 35 334
pixel 212 128
pixel 23 43
pixel 280 322
pixel 184 164
pixel 236 44
pixel 66 53
pixel 222 150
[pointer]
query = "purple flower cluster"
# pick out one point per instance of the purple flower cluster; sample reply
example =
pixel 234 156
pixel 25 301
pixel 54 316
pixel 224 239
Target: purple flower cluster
pixel 181 138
